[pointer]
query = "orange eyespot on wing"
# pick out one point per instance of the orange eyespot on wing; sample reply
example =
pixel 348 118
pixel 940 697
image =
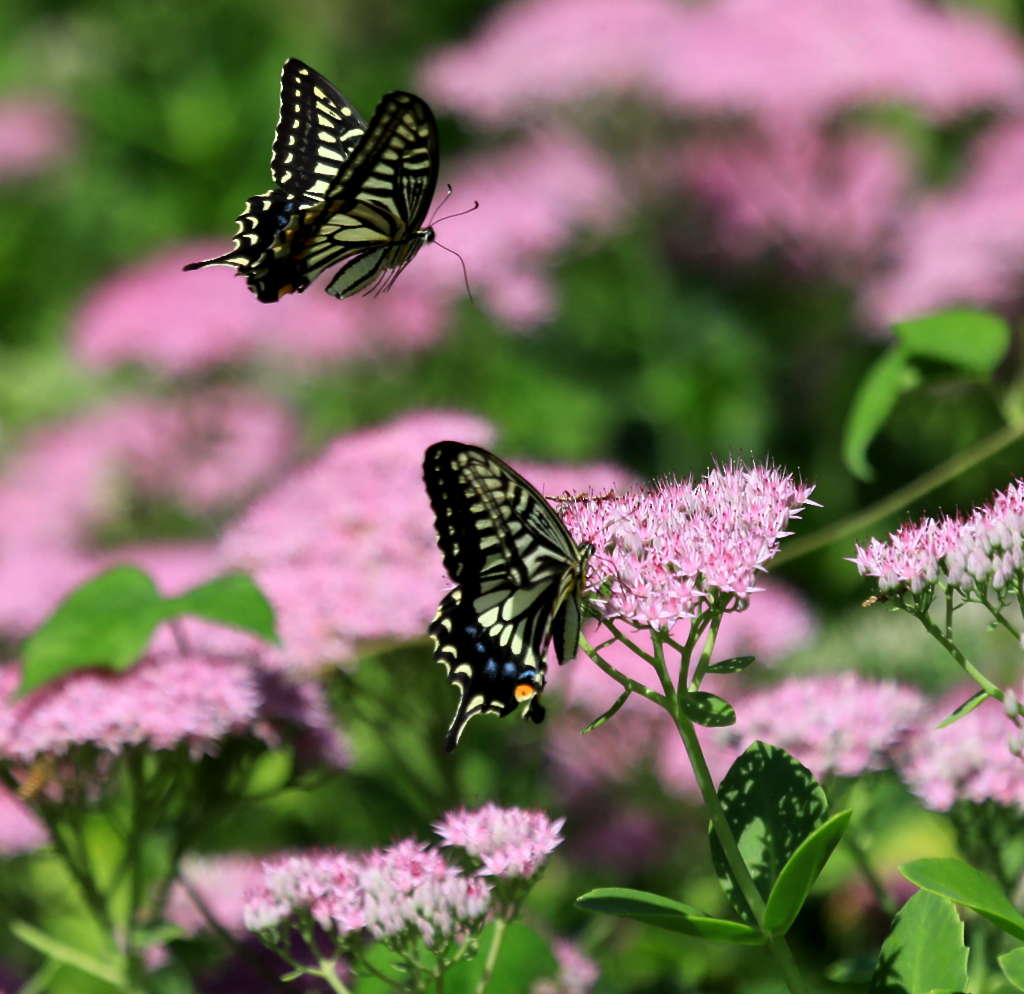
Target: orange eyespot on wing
pixel 524 692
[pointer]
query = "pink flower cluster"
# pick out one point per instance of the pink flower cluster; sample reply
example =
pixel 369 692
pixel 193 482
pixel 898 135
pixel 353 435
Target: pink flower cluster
pixel 508 842
pixel 837 724
pixel 959 245
pixel 822 202
pixel 163 703
pixel 345 549
pixel 663 554
pixel 404 890
pixel 577 972
pixel 796 58
pixel 974 556
pixel 966 761
pixel 34 134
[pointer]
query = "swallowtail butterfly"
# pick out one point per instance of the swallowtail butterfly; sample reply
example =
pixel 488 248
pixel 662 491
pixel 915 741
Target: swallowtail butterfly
pixel 519 577
pixel 347 192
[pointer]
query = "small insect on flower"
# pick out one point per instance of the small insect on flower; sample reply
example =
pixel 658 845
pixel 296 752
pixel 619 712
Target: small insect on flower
pixel 347 192
pixel 520 579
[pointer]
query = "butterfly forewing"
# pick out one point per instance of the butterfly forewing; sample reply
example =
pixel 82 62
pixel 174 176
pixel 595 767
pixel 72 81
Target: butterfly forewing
pixel 519 575
pixel 318 129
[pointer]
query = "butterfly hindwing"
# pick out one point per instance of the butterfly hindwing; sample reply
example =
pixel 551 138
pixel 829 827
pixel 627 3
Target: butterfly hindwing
pixel 519 575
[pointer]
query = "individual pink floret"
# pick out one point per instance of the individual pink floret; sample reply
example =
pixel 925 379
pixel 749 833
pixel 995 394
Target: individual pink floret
pixel 969 760
pixel 663 553
pixel 35 133
pixel 508 842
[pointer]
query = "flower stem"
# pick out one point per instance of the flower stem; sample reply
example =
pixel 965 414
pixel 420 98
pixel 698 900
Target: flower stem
pixel 965 664
pixel 898 499
pixel 500 925
pixel 620 678
pixel 327 971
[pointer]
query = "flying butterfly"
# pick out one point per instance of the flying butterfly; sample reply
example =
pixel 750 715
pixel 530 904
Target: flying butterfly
pixel 347 192
pixel 519 577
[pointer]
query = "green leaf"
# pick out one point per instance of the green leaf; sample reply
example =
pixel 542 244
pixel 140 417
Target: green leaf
pixel 663 912
pixel 734 665
pixel 885 382
pixel 1012 965
pixel 523 958
pixel 56 949
pixel 232 599
pixel 772 803
pixel 959 882
pixel 107 621
pixel 974 341
pixel 271 772
pixel 924 951
pixel 708 710
pixel 798 875
pixel 601 719
pixel 964 709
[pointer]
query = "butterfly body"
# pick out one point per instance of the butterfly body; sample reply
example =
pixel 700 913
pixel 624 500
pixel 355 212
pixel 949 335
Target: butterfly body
pixel 348 192
pixel 519 577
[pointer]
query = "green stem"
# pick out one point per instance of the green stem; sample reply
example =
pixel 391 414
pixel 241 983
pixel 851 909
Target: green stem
pixel 492 955
pixel 621 678
pixel 871 878
pixel 705 657
pixel 965 664
pixel 741 875
pixel 898 499
pixel 327 971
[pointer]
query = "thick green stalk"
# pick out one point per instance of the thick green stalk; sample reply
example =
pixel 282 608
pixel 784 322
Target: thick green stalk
pixel 500 925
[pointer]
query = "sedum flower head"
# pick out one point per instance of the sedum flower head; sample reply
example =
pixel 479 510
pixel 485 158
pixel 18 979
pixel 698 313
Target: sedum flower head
pixel 508 842
pixel 973 556
pixel 662 555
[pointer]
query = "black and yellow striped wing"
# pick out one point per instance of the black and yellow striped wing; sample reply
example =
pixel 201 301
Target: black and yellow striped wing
pixel 371 218
pixel 317 130
pixel 519 577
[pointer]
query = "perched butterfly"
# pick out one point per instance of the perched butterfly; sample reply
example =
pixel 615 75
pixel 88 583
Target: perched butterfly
pixel 348 192
pixel 520 578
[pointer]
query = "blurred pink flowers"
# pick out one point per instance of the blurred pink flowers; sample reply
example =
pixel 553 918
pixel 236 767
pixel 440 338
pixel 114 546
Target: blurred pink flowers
pixel 577 972
pixel 20 829
pixel 665 554
pixel 966 761
pixel 508 842
pixel 163 702
pixel 221 883
pixel 34 134
pixel 798 58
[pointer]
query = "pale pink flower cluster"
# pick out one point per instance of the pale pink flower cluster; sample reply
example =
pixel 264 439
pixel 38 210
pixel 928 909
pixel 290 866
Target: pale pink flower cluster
pixel 577 972
pixel 838 724
pixel 821 202
pixel 974 556
pixel 508 842
pixel 804 58
pixel 405 890
pixel 962 245
pixel 345 548
pixel 34 134
pixel 20 829
pixel 221 884
pixel 664 554
pixel 162 703
pixel 966 761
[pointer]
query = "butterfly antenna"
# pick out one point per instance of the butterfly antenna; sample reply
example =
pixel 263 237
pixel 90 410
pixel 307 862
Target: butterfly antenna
pixel 448 217
pixel 444 200
pixel 465 273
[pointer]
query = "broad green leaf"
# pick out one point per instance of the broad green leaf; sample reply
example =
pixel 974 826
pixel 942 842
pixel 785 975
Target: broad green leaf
pixel 924 951
pixel 772 803
pixel 271 772
pixel 232 599
pixel 798 875
pixel 708 710
pixel 1012 965
pixel 111 972
pixel 964 709
pixel 663 912
pixel 107 621
pixel 601 719
pixel 885 382
pixel 959 882
pixel 734 665
pixel 523 958
pixel 974 341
